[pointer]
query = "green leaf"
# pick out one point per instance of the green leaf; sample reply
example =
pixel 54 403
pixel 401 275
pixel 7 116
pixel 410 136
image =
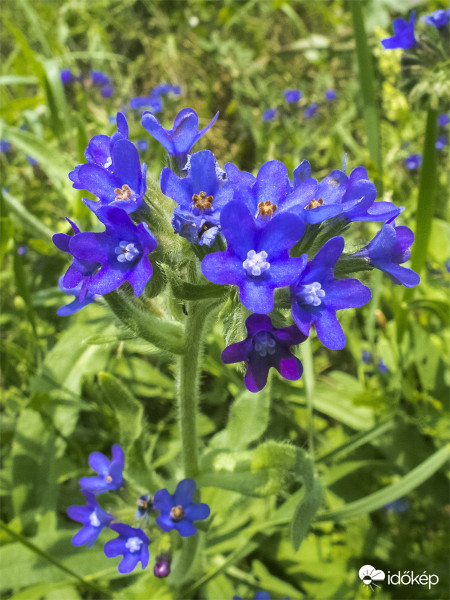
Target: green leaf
pixel 249 418
pixel 163 334
pixel 400 488
pixel 128 410
pixel 27 220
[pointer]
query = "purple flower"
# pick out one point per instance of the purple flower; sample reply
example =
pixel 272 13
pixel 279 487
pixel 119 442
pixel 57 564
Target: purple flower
pixel 441 142
pixel 184 134
pixel 178 511
pixel 77 304
pixel 93 517
pixel 413 162
pixel 266 347
pixel 311 110
pixel 403 34
pixel 122 251
pixel 388 250
pixel 99 78
pixel 443 120
pixel 109 472
pixel 292 95
pixel 366 357
pixel 132 543
pixel 439 18
pixel 5 146
pixel 269 114
pixel 382 366
pixel 66 76
pixel 162 566
pixel 316 296
pixel 257 259
pixel 77 276
pixel 200 196
pixel 21 250
pixel 330 95
pixel 352 198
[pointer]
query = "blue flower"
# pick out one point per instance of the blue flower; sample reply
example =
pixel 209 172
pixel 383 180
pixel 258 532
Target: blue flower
pixel 141 145
pixel 113 172
pixel 178 511
pixel 5 146
pixel 93 517
pixel 132 543
pixel 106 91
pixel 352 198
pixel 257 259
pixel 316 296
pixel 77 304
pixel 200 196
pixel 441 142
pixel 403 34
pixel 311 110
pixel 413 161
pixel 152 102
pixel 179 140
pixel 109 472
pixel 382 366
pixel 269 114
pixel 266 347
pixel 99 78
pixel 388 250
pixel 66 76
pixel 398 506
pixel 144 504
pixel 443 120
pixel 330 95
pixel 77 276
pixel 21 250
pixel 366 357
pixel 292 95
pixel 122 251
pixel 439 18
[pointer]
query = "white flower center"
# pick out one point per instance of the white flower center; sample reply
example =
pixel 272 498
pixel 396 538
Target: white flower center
pixel 255 264
pixel 133 544
pixel 264 343
pixel 312 294
pixel 94 520
pixel 126 251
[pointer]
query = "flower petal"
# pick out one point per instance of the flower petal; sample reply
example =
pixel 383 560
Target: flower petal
pixel 99 463
pixel 290 368
pixel 239 229
pixel 129 562
pixel 185 528
pixel 184 492
pixel 329 330
pixel 237 352
pixel 346 293
pixel 197 512
pixel 115 547
pixel 280 234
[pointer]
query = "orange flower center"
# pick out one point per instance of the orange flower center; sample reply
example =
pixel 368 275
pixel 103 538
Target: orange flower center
pixel 202 201
pixel 177 513
pixel 124 193
pixel 315 204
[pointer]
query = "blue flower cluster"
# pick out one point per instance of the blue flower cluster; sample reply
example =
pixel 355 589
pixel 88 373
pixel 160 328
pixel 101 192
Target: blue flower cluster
pixel 263 219
pixel 293 97
pixel 404 36
pixel 103 261
pixel 177 511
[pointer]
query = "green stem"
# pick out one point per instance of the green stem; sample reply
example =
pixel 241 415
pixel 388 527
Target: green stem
pixel 424 215
pixel 189 372
pixel 308 378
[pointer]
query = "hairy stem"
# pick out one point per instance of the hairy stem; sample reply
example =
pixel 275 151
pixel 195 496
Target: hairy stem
pixel 189 372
